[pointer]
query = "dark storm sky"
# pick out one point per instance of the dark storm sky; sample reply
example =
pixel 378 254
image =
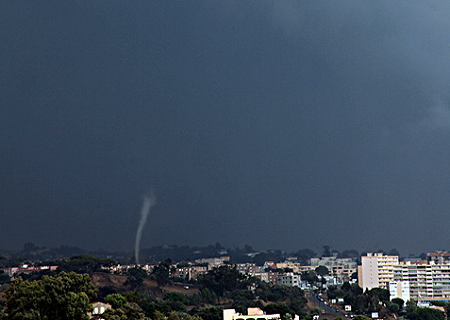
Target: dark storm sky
pixel 277 124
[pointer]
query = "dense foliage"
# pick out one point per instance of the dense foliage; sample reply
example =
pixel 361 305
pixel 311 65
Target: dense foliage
pixel 63 297
pixel 221 287
pixel 361 302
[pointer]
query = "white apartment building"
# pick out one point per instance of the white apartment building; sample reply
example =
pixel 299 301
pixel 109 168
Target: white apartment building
pixel 427 280
pixel 422 281
pixel 377 270
pixel 399 289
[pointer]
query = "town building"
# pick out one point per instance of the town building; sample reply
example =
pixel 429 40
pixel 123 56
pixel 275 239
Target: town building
pixel 428 281
pixel 399 289
pixel 213 262
pixel 269 277
pixel 252 313
pixel 269 265
pixel 290 279
pixel 98 309
pixel 376 270
pixel 439 257
pixel 337 267
pixel 248 268
pixel 191 272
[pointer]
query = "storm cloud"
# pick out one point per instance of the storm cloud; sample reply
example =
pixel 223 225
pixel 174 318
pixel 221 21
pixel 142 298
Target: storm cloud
pixel 278 124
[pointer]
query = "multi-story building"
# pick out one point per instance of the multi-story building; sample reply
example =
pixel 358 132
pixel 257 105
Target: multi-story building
pixel 248 268
pixel 399 289
pixel 191 272
pixel 377 270
pixel 427 280
pixel 213 262
pixel 290 279
pixel 269 277
pixel 295 266
pixel 338 267
pixel 333 261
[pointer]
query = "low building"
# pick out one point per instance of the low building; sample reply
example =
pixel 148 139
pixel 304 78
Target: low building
pixel 252 313
pixel 99 308
pixel 269 265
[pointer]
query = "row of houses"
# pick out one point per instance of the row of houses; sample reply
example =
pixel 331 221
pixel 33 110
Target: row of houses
pixel 13 271
pixel 286 273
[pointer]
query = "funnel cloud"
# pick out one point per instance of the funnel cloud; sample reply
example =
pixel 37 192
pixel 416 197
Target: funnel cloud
pixel 149 202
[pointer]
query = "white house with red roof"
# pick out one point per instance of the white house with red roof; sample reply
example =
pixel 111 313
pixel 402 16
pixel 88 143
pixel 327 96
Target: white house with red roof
pixel 269 264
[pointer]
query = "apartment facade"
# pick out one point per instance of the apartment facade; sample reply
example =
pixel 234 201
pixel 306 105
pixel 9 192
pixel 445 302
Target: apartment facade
pixel 249 268
pixel 399 289
pixel 427 280
pixel 290 279
pixel 377 270
pixel 338 267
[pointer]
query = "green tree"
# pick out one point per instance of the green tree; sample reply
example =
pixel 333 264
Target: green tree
pixel 173 316
pixel 398 301
pixel 321 271
pixel 310 277
pixel 393 307
pixel 222 279
pixel 116 300
pixel 447 310
pixel 426 314
pixel 161 272
pixel 411 307
pixel 4 278
pixel 212 313
pixel 195 317
pixel 176 296
pixel 84 263
pixel 280 308
pixel 129 311
pixel 62 297
pixel 176 301
pixel 315 311
pixel 103 292
pixel 135 277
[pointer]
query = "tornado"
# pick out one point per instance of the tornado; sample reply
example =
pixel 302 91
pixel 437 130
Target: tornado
pixel 147 204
